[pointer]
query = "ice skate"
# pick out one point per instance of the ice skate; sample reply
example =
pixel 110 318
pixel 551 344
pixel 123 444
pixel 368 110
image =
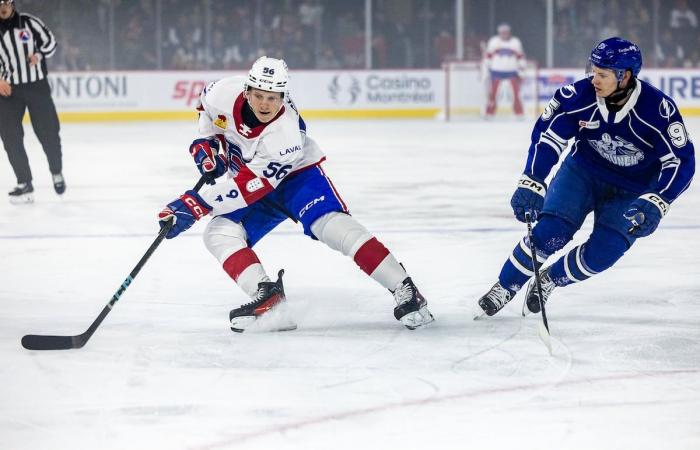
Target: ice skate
pixel 494 300
pixel 532 299
pixel 411 307
pixel 268 312
pixel 23 193
pixel 59 183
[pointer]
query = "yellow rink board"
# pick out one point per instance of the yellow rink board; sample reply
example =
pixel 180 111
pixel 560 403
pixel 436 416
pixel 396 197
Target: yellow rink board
pixel 139 116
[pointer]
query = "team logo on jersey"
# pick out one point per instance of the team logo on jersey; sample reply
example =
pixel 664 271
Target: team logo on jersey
pixel 589 125
pixel 617 151
pixel 254 185
pixel 245 130
pixel 505 52
pixel 568 91
pixel 24 35
pixel 602 46
pixel 666 109
pixel 221 122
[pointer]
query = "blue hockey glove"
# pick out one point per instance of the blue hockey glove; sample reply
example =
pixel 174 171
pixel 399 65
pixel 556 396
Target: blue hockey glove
pixel 183 212
pixel 529 196
pixel 645 213
pixel 209 162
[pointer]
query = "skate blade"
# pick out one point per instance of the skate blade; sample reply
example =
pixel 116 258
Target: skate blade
pixel 526 311
pixel 477 312
pixel 252 325
pixel 417 319
pixel 241 323
pixel 22 199
pixel 277 319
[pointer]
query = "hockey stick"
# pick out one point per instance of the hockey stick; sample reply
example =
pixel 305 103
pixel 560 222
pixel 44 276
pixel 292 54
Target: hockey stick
pixel 45 342
pixel 544 325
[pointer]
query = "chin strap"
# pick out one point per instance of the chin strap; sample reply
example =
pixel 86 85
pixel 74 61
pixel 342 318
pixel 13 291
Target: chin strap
pixel 621 93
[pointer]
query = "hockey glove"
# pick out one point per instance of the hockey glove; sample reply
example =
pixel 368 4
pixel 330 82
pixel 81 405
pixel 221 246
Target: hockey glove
pixel 645 213
pixel 183 212
pixel 528 197
pixel 209 162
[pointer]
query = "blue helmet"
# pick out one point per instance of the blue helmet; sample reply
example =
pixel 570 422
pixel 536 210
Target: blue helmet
pixel 617 54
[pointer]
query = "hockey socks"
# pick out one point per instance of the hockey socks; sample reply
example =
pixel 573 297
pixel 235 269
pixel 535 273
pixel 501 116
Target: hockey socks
pixel 376 261
pixel 245 269
pixel 518 269
pixel 602 250
pixel 550 234
pixel 343 233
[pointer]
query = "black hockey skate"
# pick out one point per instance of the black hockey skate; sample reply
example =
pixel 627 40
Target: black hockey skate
pixel 269 303
pixel 494 300
pixel 411 307
pixel 532 298
pixel 23 193
pixel 59 183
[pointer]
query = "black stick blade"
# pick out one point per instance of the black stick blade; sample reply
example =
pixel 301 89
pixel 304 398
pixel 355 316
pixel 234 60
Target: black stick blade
pixel 38 342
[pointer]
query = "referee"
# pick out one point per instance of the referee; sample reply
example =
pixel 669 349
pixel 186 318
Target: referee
pixel 25 42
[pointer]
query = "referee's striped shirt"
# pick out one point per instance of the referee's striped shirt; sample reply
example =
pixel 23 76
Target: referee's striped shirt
pixel 20 36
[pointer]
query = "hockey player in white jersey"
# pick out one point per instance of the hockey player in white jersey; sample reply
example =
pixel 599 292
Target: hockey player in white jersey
pixel 264 169
pixel 630 159
pixel 504 60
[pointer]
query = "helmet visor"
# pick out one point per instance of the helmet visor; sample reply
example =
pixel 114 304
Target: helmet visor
pixel 619 73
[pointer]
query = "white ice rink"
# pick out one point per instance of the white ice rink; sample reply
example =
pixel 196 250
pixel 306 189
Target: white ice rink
pixel 165 372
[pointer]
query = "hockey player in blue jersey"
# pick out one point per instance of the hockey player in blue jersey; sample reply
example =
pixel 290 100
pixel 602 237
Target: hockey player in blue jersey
pixel 630 159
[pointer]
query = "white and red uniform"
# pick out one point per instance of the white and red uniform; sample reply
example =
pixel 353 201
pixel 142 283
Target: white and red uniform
pixel 504 60
pixel 259 158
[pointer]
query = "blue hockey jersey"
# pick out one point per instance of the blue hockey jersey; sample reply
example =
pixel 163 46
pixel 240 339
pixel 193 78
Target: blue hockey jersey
pixel 644 147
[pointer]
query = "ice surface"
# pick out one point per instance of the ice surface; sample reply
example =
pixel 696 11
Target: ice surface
pixel 165 372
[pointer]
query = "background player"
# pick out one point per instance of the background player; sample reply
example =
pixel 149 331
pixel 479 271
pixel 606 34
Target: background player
pixel 504 60
pixel 270 170
pixel 630 159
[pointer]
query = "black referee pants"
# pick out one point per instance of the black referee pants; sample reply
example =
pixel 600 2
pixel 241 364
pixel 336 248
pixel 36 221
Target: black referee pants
pixel 36 97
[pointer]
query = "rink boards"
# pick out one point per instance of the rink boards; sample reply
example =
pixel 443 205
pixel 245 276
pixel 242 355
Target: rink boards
pixel 333 94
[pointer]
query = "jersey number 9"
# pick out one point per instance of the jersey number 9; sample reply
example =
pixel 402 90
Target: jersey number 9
pixel 678 135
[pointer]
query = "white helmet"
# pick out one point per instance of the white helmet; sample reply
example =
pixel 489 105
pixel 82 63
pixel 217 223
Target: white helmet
pixel 268 74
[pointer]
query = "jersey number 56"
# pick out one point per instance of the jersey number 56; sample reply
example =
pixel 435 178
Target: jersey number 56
pixel 277 170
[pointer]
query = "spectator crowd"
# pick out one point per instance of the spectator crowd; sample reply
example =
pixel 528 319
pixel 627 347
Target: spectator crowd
pixel 330 34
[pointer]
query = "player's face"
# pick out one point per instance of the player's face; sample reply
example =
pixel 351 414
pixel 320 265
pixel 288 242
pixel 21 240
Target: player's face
pixel 604 81
pixel 264 104
pixel 6 9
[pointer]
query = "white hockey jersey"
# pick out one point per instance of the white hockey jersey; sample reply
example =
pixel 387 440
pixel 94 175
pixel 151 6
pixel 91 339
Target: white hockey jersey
pixel 258 158
pixel 505 55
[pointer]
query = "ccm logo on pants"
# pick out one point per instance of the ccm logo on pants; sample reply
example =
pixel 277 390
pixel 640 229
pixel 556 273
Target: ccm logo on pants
pixel 311 204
